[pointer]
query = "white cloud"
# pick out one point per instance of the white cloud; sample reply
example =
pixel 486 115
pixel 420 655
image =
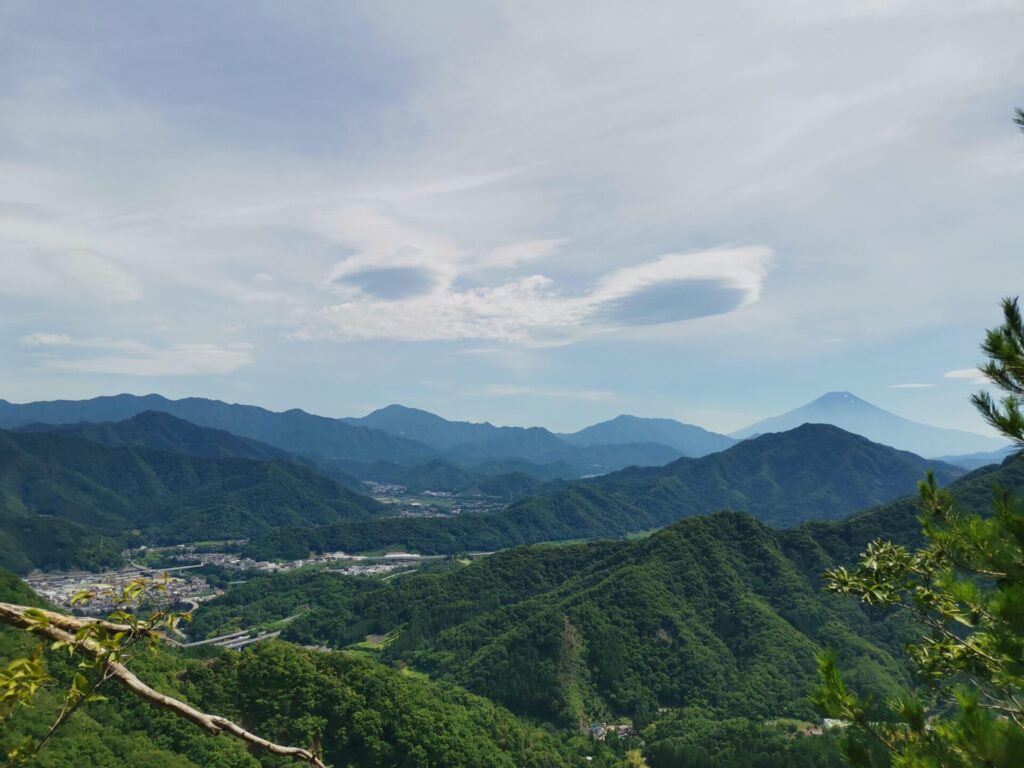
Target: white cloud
pixel 64 340
pixel 969 374
pixel 534 310
pixel 911 386
pixel 101 276
pixel 46 340
pixel 510 390
pixel 78 276
pixel 523 253
pixel 135 358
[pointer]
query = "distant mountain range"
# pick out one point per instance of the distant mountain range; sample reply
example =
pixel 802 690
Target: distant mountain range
pixel 976 460
pixel 457 436
pixel 816 471
pixel 472 443
pixel 294 431
pixel 688 439
pixel 423 451
pixel 384 435
pixel 164 432
pixel 429 428
pixel 849 412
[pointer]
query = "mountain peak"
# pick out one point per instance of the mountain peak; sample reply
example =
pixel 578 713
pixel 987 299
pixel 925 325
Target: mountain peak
pixel 840 398
pixel 852 414
pixel 399 408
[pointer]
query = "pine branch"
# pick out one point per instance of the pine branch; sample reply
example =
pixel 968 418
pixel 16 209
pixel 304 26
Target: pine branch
pixel 56 629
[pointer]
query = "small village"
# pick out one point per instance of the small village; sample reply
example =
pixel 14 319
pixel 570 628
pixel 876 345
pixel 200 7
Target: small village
pixel 60 588
pixel 186 587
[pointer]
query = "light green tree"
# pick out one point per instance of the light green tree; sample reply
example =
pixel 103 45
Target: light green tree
pixel 102 649
pixel 965 587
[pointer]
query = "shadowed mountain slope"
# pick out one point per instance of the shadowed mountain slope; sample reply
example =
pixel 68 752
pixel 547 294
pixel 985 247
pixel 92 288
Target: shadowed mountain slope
pixel 688 439
pixel 294 431
pixel 53 482
pixel 813 472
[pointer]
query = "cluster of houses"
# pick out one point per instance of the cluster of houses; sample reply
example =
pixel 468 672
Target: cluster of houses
pixel 601 731
pixel 60 588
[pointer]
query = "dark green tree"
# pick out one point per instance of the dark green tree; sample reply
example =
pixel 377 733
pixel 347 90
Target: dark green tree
pixel 965 587
pixel 1004 347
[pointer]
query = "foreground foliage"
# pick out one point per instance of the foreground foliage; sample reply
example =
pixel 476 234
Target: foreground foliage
pixel 965 588
pixel 350 709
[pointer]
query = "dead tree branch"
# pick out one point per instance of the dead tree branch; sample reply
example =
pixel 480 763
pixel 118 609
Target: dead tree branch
pixel 60 627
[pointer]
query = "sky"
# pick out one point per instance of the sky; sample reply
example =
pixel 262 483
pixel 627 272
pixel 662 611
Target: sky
pixel 521 212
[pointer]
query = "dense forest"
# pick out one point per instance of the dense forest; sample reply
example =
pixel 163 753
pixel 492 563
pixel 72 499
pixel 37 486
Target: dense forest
pixel 813 472
pixel 716 611
pixel 378 716
pixel 123 493
pixel 701 636
pixel 155 479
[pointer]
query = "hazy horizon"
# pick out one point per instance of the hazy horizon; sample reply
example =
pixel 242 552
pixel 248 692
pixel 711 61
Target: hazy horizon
pixel 986 431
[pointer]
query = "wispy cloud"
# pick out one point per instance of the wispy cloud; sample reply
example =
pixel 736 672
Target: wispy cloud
pixel 73 275
pixel 127 357
pixel 511 390
pixel 968 374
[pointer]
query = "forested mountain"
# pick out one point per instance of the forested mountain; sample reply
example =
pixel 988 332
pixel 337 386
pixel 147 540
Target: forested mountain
pixel 708 612
pixel 813 472
pixel 849 412
pixel 688 439
pixel 164 432
pixel 349 440
pixel 718 613
pixel 51 480
pixel 484 480
pixel 471 444
pixel 360 713
pixel 294 431
pixel 539 446
pixel 428 428
pixel 977 460
pixel 511 485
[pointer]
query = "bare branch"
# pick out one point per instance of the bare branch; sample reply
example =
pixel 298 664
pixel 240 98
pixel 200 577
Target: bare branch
pixel 57 629
pixel 10 611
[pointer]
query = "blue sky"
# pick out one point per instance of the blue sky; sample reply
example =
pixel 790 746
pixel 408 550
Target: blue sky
pixel 524 212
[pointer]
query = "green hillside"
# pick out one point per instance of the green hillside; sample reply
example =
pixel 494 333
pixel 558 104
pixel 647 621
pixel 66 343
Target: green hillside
pixel 709 612
pixel 813 472
pixel 689 439
pixel 164 432
pixel 718 613
pixel 511 485
pixel 363 714
pixel 62 499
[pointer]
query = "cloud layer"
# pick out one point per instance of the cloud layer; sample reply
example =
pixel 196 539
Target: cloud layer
pixel 423 300
pixel 126 357
pixel 702 189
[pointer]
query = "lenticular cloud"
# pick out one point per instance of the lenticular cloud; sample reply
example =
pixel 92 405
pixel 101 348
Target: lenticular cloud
pixel 672 288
